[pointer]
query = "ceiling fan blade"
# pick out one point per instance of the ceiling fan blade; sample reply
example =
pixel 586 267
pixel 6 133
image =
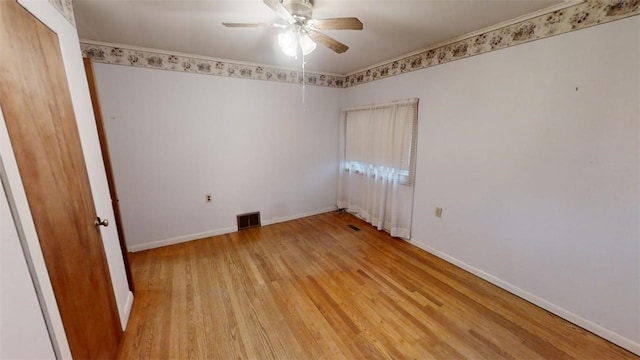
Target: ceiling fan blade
pixel 328 41
pixel 248 24
pixel 347 23
pixel 277 6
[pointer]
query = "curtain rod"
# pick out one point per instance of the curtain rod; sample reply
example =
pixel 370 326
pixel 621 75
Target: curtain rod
pixel 373 106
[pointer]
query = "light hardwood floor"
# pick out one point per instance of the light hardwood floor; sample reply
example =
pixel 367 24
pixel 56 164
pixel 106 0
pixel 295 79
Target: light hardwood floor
pixel 314 288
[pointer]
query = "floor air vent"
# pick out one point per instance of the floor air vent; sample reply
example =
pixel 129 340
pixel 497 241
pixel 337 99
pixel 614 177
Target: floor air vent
pixel 353 227
pixel 248 220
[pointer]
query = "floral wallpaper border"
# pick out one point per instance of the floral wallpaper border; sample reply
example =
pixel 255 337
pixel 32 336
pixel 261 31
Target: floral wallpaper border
pixel 587 14
pixel 583 15
pixel 65 7
pixel 155 60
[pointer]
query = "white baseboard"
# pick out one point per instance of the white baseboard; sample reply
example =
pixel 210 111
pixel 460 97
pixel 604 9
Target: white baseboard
pixel 557 310
pixel 185 238
pixel 180 239
pixel 127 311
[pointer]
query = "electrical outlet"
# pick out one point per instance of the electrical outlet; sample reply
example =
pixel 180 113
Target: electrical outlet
pixel 208 197
pixel 438 212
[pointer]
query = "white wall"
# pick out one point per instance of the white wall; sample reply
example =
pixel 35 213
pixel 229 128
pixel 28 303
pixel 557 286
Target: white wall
pixel 253 145
pixel 72 58
pixel 538 181
pixel 23 332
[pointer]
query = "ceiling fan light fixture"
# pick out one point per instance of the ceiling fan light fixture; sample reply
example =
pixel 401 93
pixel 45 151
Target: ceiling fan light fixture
pixel 290 40
pixel 306 44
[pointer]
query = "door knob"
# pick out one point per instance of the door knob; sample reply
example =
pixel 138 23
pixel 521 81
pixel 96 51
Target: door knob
pixel 103 222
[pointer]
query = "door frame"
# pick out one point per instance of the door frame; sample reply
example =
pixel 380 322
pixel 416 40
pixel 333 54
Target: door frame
pixel 106 157
pixel 72 59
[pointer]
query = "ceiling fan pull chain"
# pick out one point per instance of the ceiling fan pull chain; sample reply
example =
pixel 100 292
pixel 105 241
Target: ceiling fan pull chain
pixel 303 80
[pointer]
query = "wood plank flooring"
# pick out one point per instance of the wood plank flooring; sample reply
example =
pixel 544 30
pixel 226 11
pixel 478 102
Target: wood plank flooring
pixel 314 288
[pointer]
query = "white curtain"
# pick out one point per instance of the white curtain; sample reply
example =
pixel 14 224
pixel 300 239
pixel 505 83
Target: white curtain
pixel 377 171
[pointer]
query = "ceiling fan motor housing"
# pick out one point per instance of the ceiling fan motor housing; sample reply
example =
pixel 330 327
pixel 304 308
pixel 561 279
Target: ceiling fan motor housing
pixel 301 8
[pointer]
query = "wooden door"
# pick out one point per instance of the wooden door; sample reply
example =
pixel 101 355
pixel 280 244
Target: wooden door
pixel 106 157
pixel 39 116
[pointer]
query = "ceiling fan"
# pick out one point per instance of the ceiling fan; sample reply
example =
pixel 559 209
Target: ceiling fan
pixel 302 29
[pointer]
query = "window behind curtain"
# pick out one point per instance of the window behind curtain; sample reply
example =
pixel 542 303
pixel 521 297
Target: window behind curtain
pixel 383 136
pixel 378 168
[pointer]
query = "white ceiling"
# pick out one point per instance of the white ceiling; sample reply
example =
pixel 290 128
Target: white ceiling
pixel 391 28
